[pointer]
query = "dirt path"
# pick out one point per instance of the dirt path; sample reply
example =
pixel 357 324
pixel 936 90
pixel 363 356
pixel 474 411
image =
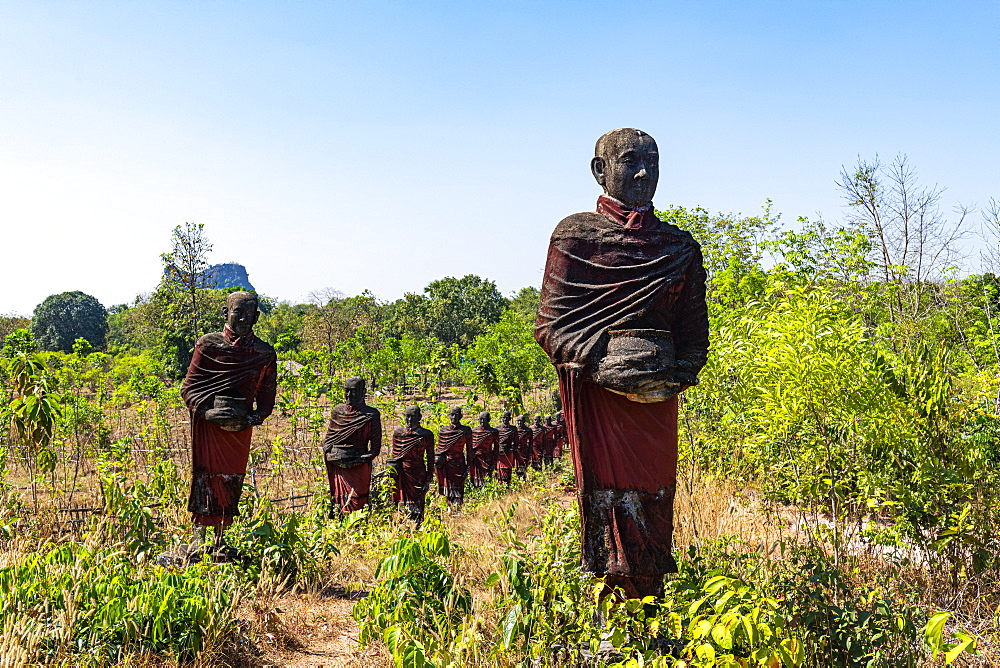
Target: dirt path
pixel 320 633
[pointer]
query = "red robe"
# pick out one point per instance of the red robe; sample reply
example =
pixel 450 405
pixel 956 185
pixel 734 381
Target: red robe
pixel 352 433
pixel 549 450
pixel 609 270
pixel 538 439
pixel 560 440
pixel 484 454
pixel 453 443
pixel 524 440
pixel 412 457
pixel 234 366
pixel 507 441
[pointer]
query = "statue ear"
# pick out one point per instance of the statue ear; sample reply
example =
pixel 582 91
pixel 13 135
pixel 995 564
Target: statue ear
pixel 597 168
pixel 256 315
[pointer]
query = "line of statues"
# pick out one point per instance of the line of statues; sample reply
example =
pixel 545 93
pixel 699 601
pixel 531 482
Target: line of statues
pixel 460 454
pixel 230 387
pixel 622 317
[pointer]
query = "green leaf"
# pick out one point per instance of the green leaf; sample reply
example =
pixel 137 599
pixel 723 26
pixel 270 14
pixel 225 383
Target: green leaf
pixel 722 636
pixel 966 642
pixel 933 631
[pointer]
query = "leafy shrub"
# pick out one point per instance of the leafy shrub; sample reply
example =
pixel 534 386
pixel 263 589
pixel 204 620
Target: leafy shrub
pixel 93 602
pixel 417 607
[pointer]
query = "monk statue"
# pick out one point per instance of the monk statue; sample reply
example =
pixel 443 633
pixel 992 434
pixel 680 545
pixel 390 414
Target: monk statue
pixel 623 318
pixel 454 441
pixel 412 464
pixel 353 440
pixel 551 434
pixel 229 388
pixel 538 439
pixel 524 440
pixel 484 451
pixel 506 448
pixel 560 435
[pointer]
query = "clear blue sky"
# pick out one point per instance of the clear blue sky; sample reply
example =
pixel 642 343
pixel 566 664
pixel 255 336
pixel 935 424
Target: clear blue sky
pixel 382 145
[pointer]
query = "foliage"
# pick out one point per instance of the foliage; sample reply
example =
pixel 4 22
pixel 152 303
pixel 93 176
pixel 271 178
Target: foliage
pixel 507 356
pixel 417 606
pixel 185 271
pixel 92 603
pixel 453 310
pixel 63 318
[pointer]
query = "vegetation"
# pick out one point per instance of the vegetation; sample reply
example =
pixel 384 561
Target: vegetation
pixel 62 319
pixel 836 500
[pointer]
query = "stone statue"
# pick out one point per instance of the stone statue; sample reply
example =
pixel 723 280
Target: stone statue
pixel 454 441
pixel 484 451
pixel 560 444
pixel 507 441
pixel 412 464
pixel 524 440
pixel 551 434
pixel 229 388
pixel 623 318
pixel 539 437
pixel 353 440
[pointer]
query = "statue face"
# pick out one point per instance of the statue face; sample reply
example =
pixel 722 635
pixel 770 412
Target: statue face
pixel 520 420
pixel 412 417
pixel 484 419
pixel 455 415
pixel 629 168
pixel 505 418
pixel 241 315
pixel 538 420
pixel 354 394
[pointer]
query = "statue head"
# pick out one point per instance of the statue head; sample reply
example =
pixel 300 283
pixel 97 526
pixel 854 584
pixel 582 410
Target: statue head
pixel 505 418
pixel 241 312
pixel 559 416
pixel 455 415
pixel 522 420
pixel 354 392
pixel 484 419
pixel 627 165
pixel 412 416
pixel 548 420
pixel 538 420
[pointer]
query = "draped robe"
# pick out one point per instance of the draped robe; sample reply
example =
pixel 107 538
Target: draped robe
pixel 507 441
pixel 484 454
pixel 412 457
pixel 559 442
pixel 620 268
pixel 231 366
pixel 450 465
pixel 353 432
pixel 538 439
pixel 549 444
pixel 524 440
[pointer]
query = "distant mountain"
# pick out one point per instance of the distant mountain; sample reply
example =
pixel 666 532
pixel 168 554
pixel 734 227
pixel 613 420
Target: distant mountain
pixel 229 275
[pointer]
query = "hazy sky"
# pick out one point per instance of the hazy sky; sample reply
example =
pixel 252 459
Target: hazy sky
pixel 382 145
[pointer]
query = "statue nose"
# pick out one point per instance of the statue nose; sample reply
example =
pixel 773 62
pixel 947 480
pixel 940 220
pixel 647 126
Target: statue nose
pixel 641 174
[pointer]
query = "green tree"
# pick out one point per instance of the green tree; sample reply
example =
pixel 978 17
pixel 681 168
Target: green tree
pixel 185 270
pixel 525 302
pixel 732 247
pixel 453 310
pixel 63 318
pixel 462 308
pixel 507 356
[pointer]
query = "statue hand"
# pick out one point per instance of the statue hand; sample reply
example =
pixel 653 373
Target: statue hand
pixel 253 420
pixel 685 379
